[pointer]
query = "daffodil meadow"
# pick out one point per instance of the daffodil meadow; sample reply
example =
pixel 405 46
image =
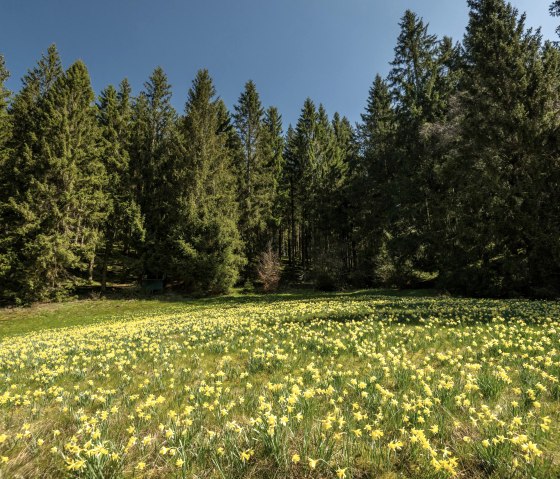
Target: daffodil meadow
pixel 326 386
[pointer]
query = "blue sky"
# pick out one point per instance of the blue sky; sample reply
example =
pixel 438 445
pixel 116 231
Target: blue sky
pixel 329 50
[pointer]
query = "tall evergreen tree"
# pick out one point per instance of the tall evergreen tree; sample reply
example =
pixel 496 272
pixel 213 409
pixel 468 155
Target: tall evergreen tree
pixel 5 135
pixel 58 212
pixel 272 150
pixel 152 155
pixel 5 121
pixel 333 251
pixel 207 245
pixel 373 176
pixel 124 220
pixel 540 214
pixel 301 171
pixel 489 247
pixel 255 181
pixel 19 169
pixel 419 88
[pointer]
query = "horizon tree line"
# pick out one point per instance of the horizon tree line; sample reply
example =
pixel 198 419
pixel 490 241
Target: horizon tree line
pixel 451 178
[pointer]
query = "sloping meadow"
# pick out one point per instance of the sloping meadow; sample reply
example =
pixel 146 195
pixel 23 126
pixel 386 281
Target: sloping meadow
pixel 330 386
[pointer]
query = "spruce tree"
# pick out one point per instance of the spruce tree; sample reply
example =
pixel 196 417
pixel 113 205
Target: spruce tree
pixel 5 121
pixel 488 250
pixel 254 179
pixel 58 211
pixel 207 246
pixel 413 78
pixel 6 255
pixel 124 222
pixel 19 171
pixel 373 176
pixel 539 217
pixel 153 147
pixel 333 255
pixel 272 151
pixel 289 184
pixel 301 165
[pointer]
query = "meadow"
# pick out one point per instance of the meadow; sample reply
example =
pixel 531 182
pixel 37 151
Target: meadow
pixel 354 385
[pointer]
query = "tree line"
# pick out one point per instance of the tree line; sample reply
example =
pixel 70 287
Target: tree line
pixel 451 178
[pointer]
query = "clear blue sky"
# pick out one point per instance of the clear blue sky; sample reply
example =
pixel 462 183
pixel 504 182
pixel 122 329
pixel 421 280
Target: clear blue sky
pixel 329 50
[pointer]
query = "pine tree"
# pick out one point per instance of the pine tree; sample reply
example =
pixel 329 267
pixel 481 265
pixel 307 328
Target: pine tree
pixel 124 222
pixel 272 150
pixel 19 170
pixel 333 255
pixel 373 177
pixel 489 246
pixel 26 112
pixel 57 214
pixel 289 182
pixel 301 171
pixel 413 78
pixel 254 179
pixel 6 256
pixel 540 213
pixel 5 121
pixel 153 147
pixel 207 246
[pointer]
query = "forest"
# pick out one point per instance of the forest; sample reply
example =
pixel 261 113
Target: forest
pixel 451 179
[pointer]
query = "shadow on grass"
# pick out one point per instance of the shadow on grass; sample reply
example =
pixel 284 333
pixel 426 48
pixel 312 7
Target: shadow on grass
pixel 84 311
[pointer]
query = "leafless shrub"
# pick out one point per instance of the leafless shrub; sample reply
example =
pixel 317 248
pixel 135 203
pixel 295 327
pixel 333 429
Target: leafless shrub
pixel 269 269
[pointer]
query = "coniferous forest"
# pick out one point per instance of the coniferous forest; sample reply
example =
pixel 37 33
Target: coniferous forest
pixel 450 180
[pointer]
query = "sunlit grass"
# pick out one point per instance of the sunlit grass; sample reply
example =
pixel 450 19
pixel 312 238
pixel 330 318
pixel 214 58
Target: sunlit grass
pixel 346 385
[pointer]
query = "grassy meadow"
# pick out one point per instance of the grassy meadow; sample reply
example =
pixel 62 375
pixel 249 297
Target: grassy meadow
pixel 370 384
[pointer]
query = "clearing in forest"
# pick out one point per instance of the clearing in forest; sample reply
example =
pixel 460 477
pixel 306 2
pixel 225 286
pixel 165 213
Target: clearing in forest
pixel 287 386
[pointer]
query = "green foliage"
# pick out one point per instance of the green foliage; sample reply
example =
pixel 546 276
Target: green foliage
pixel 256 170
pixel 207 246
pixel 452 177
pixel 555 11
pixel 124 225
pixel 6 256
pixel 56 211
pixel 505 161
pixel 153 152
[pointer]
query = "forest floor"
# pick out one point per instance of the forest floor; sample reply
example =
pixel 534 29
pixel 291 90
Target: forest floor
pixel 358 384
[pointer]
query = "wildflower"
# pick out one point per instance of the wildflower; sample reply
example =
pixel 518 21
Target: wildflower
pixel 295 458
pixel 341 473
pixel 395 445
pixel 76 465
pixel 312 463
pixel 246 455
pixel 179 463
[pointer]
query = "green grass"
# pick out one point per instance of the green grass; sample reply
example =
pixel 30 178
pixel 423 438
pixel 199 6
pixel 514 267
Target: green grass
pixel 357 384
pixel 21 320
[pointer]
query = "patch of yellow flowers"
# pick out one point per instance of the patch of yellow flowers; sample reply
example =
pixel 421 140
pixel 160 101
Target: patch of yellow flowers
pixel 336 386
